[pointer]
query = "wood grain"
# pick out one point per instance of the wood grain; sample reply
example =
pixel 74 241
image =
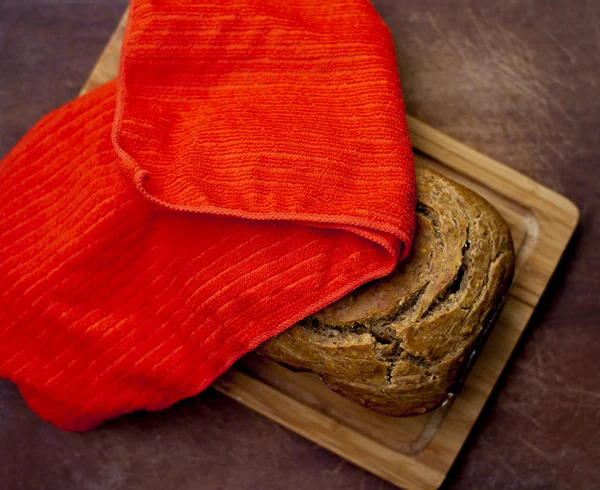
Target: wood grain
pixel 415 452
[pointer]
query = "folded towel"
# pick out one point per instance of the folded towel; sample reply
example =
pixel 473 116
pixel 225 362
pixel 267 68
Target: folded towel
pixel 250 165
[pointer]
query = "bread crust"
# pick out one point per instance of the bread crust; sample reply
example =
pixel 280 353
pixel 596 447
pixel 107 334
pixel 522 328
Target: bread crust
pixel 399 344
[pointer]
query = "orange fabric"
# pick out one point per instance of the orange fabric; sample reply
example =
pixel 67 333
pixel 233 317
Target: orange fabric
pixel 250 165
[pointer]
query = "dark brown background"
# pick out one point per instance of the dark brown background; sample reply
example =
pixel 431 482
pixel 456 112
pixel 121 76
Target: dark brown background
pixel 516 79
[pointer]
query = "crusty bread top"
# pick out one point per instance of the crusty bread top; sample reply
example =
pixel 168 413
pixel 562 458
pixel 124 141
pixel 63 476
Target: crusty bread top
pixel 414 327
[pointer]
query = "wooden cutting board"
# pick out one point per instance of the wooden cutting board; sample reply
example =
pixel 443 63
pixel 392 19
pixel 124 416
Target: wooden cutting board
pixel 413 452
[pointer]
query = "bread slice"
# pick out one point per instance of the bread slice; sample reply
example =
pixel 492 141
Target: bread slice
pixel 399 344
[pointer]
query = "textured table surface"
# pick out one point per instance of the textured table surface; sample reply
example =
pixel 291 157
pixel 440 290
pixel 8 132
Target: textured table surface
pixel 516 80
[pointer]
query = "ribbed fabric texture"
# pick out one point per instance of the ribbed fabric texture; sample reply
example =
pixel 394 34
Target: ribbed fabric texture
pixel 250 165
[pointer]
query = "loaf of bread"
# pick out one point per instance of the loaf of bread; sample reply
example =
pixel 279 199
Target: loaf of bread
pixel 399 344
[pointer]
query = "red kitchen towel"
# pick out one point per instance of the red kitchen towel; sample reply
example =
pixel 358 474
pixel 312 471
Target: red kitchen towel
pixel 250 165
